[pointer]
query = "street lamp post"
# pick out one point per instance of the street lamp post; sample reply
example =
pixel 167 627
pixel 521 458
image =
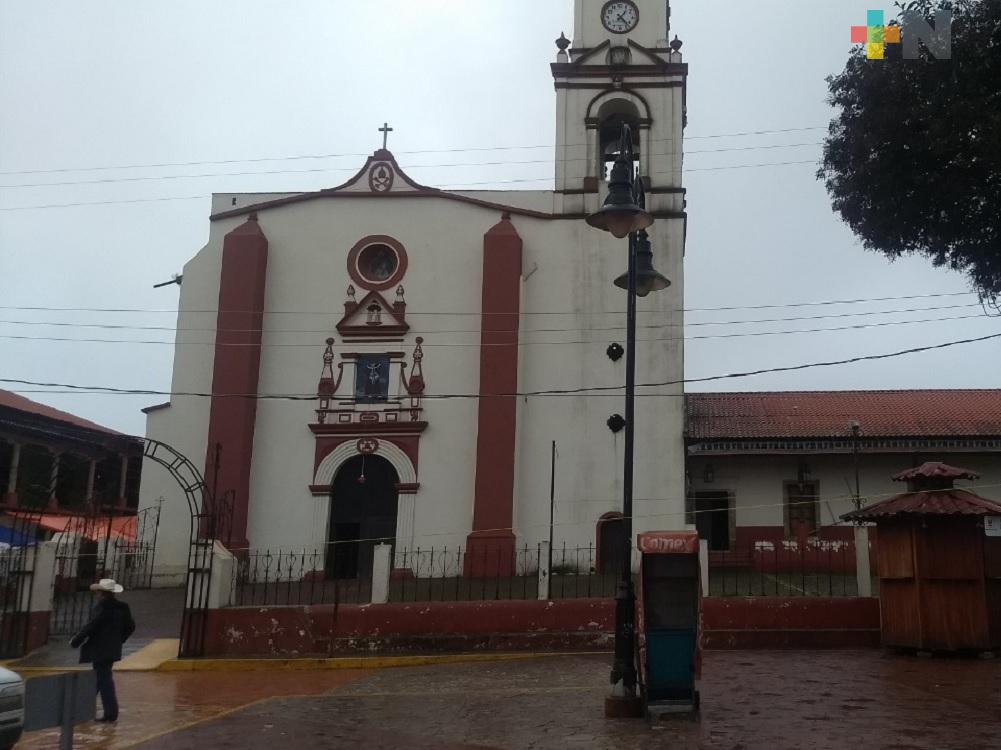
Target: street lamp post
pixel 624 214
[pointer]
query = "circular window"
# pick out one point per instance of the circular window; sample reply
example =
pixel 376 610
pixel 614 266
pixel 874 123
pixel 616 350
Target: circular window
pixel 377 263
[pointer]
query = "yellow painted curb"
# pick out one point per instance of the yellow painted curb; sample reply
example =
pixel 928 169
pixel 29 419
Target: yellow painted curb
pixel 151 656
pixel 361 662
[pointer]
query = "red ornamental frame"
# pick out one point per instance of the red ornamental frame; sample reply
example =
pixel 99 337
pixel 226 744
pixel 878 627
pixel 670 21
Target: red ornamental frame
pixel 377 239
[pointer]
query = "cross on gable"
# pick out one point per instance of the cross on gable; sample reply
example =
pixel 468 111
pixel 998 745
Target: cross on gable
pixel 385 130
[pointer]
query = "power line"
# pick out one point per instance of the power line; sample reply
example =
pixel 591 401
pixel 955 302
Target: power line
pixel 355 169
pixel 324 331
pixel 443 188
pixel 519 344
pixel 595 390
pixel 296 157
pixel 728 308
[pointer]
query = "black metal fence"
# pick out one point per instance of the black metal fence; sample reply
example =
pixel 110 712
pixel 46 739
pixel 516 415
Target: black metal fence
pixel 280 578
pixel 17 566
pixel 433 574
pixel 785 569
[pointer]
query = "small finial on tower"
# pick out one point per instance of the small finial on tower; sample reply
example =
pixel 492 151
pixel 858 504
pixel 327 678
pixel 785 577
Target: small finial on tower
pixel 563 44
pixel 676 44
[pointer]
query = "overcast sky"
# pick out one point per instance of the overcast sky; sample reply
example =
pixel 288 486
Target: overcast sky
pixel 109 83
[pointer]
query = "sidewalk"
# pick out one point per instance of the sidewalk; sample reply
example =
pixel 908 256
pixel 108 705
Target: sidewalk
pixel 752 700
pixel 157 613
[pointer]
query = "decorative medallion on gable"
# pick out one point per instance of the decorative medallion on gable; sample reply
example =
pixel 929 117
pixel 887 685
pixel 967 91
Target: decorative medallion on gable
pixel 373 317
pixel 381 175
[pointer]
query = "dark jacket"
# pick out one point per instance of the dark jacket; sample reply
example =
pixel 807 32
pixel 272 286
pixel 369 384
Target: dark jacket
pixel 102 638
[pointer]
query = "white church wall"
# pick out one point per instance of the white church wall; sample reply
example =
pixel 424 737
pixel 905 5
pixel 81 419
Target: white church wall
pixel 307 272
pixel 576 267
pixel 184 424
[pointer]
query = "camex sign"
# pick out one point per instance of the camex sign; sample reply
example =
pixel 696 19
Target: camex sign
pixel 913 31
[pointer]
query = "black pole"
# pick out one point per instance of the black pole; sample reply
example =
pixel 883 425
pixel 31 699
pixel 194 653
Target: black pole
pixel 624 665
pixel 552 506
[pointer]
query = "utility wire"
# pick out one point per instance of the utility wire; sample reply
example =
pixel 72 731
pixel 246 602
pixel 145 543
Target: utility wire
pixel 355 169
pixel 519 344
pixel 614 389
pixel 444 188
pixel 296 157
pixel 431 331
pixel 728 308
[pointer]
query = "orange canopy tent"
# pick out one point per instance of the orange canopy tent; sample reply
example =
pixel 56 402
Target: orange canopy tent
pixel 89 527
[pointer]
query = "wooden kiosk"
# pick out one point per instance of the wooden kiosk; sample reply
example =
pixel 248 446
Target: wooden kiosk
pixel 939 571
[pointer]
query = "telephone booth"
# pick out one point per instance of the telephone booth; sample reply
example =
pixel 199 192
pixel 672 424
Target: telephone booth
pixel 669 621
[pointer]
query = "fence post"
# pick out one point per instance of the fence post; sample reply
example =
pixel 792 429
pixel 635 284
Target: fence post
pixel 221 583
pixel 381 564
pixel 863 573
pixel 43 579
pixel 704 565
pixel 543 571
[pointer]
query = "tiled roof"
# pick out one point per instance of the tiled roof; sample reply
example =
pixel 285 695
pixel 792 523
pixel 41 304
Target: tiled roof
pixel 829 414
pixel 950 502
pixel 935 470
pixel 13 401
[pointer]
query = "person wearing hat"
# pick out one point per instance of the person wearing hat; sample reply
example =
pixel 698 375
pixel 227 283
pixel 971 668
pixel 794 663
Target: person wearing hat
pixel 100 641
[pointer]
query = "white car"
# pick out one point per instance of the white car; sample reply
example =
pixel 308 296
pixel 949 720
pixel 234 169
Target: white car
pixel 11 708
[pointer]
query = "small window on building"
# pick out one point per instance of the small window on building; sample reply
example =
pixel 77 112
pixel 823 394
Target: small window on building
pixel 801 509
pixel 712 518
pixel 372 378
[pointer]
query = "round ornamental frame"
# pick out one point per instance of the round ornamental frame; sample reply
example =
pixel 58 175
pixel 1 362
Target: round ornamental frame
pixel 357 273
pixel 606 6
pixel 381 177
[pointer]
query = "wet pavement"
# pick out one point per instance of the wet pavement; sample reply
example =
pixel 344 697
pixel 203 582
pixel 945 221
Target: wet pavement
pixel 829 700
pixel 157 613
pixel 154 704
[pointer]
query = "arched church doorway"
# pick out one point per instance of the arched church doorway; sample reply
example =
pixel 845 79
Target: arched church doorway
pixel 363 508
pixel 611 543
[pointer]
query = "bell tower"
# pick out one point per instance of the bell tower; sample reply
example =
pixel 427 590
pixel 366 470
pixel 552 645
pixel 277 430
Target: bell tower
pixel 619 68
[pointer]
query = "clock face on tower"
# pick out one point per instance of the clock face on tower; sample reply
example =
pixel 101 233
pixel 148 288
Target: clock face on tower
pixel 620 16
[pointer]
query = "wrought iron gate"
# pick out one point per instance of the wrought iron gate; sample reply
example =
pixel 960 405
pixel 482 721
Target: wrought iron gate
pixel 211 518
pixel 17 566
pixel 92 547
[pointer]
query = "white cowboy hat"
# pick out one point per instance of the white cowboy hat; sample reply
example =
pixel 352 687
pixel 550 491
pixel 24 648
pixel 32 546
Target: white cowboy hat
pixel 107 584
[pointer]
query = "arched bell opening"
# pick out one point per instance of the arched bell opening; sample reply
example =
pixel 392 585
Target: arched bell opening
pixel 612 115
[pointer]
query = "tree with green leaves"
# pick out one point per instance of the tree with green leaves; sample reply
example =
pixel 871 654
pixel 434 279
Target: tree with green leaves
pixel 912 161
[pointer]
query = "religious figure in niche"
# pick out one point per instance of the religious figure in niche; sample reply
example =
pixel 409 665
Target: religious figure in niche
pixel 372 378
pixel 377 262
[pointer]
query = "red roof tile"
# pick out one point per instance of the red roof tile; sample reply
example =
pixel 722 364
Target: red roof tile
pixel 931 503
pixel 829 414
pixel 10 400
pixel 935 470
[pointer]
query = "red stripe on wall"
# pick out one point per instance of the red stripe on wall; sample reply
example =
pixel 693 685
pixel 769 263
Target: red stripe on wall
pixel 237 367
pixel 490 546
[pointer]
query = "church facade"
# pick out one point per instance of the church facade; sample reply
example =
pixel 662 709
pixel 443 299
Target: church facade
pixel 387 361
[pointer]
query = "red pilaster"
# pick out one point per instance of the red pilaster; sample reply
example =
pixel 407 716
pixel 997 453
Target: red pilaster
pixel 237 366
pixel 490 546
